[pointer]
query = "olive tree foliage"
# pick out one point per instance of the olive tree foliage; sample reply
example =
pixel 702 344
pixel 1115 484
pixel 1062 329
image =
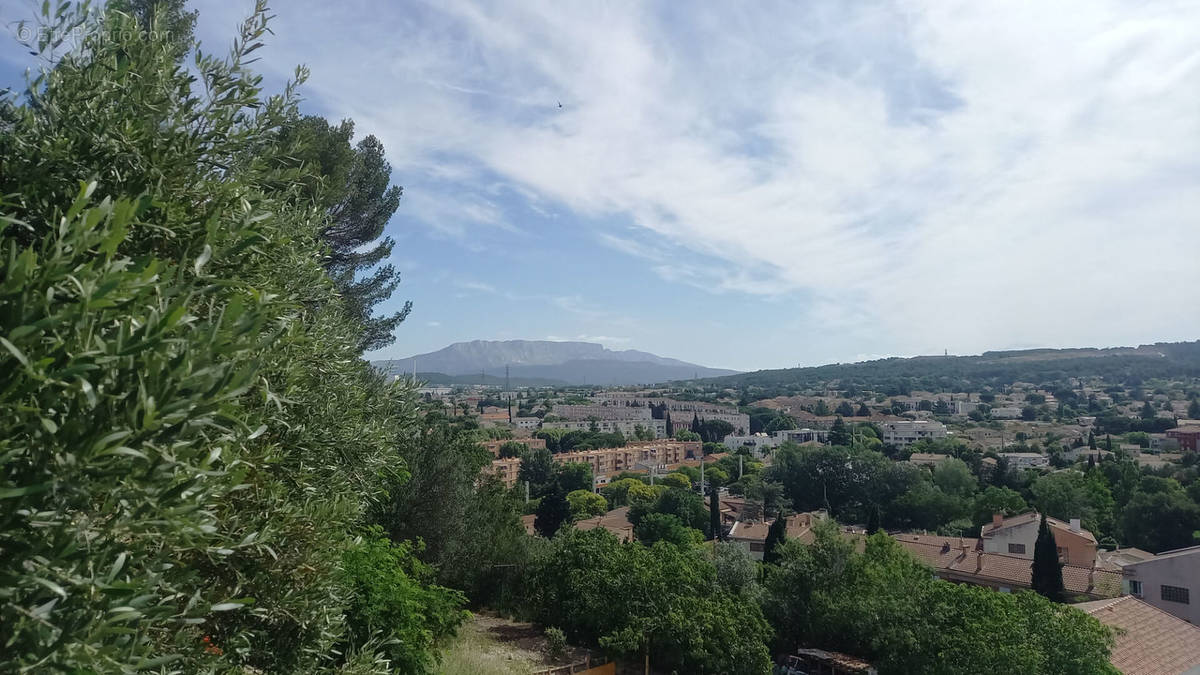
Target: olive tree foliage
pixel 188 439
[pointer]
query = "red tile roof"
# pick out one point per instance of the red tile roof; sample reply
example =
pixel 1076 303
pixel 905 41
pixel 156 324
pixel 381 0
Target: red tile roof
pixel 1033 516
pixel 963 559
pixel 615 521
pixel 1149 640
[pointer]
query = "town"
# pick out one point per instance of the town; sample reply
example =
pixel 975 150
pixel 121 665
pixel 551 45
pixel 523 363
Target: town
pixel 599 338
pixel 974 467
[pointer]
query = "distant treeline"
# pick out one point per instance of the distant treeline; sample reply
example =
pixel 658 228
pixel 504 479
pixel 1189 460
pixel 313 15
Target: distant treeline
pixel 993 370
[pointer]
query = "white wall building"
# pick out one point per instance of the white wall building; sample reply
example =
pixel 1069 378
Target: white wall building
pixel 1026 460
pixel 1170 581
pixel 904 433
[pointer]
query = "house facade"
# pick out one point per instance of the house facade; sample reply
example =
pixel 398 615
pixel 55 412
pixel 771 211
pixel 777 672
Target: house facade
pixel 1016 536
pixel 1170 581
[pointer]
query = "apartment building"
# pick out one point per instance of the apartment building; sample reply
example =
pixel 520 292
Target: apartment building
pixel 600 412
pixel 801 436
pixel 636 456
pixel 902 434
pixel 529 443
pixel 625 426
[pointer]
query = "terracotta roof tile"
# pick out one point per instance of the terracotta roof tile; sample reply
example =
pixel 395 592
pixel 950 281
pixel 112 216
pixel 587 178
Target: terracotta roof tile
pixel 1149 640
pixel 964 558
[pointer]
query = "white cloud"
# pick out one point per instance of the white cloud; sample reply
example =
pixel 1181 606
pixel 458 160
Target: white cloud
pixel 935 174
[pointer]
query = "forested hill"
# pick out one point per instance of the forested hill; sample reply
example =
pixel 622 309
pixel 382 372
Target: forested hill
pixel 1124 365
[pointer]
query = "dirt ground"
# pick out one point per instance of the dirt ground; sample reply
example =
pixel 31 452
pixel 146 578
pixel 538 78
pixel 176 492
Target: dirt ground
pixel 493 645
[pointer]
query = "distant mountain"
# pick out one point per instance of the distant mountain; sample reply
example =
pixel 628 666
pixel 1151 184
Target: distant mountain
pixel 544 360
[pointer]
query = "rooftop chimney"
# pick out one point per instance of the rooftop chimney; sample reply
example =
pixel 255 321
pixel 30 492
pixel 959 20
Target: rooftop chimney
pixel 1074 524
pixel 997 519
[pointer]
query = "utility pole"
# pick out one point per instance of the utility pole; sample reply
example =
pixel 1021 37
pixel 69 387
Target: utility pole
pixel 740 466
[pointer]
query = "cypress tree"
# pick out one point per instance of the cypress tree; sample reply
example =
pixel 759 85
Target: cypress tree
pixel 714 512
pixel 695 423
pixel 1047 570
pixel 1091 440
pixel 873 525
pixel 670 427
pixel 776 536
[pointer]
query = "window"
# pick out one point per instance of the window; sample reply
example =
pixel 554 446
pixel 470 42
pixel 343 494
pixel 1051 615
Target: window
pixel 756 547
pixel 1135 587
pixel 1174 594
pixel 1018 549
pixel 1063 555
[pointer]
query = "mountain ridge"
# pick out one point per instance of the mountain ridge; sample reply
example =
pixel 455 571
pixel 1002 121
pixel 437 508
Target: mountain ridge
pixel 571 362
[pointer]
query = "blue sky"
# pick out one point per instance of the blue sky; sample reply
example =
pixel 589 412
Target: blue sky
pixel 754 185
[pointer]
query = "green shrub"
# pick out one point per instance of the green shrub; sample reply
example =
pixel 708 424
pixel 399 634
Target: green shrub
pixel 394 599
pixel 556 641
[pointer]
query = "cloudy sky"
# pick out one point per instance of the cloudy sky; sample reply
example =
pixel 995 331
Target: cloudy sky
pixel 757 185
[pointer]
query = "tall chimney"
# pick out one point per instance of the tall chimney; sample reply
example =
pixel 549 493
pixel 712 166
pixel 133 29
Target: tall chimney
pixel 997 519
pixel 1075 525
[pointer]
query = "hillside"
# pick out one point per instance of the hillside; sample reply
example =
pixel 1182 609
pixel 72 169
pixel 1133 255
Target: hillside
pixel 550 362
pixel 1129 365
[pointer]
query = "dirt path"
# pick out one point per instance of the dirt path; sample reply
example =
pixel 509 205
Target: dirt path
pixel 493 645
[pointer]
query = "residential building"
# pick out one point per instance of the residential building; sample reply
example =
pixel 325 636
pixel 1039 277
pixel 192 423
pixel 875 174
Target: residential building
pixel 600 412
pixel 1026 460
pixel 927 458
pixel 1170 581
pixel 758 444
pixel 493 446
pixel 753 534
pixel 1006 413
pixel 527 423
pixel 627 427
pixel 1149 641
pixel 963 560
pixel 1016 536
pixel 801 436
pixel 615 521
pixel 1187 437
pixel 635 456
pixel 1163 443
pixel 904 433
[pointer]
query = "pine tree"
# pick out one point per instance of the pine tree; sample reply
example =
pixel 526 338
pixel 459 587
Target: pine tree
pixel 838 434
pixel 776 536
pixel 1047 570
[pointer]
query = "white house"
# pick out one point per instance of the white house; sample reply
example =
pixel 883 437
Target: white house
pixel 1026 460
pixel 1167 581
pixel 904 433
